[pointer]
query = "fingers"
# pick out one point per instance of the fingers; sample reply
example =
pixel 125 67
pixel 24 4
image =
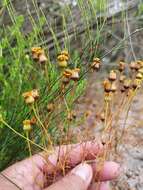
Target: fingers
pixel 73 154
pixel 109 171
pixel 78 179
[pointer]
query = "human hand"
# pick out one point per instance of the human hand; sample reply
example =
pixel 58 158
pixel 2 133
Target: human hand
pixel 32 173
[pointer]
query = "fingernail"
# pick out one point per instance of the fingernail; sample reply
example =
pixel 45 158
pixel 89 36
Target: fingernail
pixel 84 171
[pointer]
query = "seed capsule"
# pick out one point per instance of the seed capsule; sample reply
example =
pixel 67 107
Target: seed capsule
pixel 121 66
pixel 127 83
pixel 75 74
pixel 139 76
pixel 63 58
pixel 107 86
pixel 112 75
pixel 134 66
pixel 136 83
pixel 42 58
pixel 31 96
pixel 96 64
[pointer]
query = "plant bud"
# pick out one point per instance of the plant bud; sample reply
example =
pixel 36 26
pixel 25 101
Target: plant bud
pixel 27 125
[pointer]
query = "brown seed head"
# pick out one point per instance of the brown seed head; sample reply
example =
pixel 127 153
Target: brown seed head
pixel 122 66
pixel 112 75
pixel 127 83
pixel 107 85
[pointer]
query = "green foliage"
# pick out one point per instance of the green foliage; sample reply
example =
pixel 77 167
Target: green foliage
pixel 19 73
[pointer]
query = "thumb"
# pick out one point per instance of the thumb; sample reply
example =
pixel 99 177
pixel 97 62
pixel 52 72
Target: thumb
pixel 78 179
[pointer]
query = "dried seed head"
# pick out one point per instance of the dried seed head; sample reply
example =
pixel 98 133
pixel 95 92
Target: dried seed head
pixel 139 76
pixel 35 93
pixel 107 85
pixel 42 58
pixel 127 83
pixel 96 64
pixel 66 54
pixel 122 78
pixel 63 58
pixel 134 66
pixel 112 75
pixel 27 125
pixel 36 52
pixel 136 83
pixel 67 73
pixel 75 74
pixel 122 89
pixel 29 100
pixel 31 96
pixel 35 56
pixel 50 107
pixel 122 66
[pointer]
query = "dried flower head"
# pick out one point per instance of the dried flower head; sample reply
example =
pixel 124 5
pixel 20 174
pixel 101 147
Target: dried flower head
pixel 136 83
pixel 66 54
pixel 63 58
pixel 42 58
pixel 134 66
pixel 27 125
pixel 31 96
pixel 75 74
pixel 96 64
pixel 67 73
pixel 112 75
pixel 38 54
pixel 139 76
pixel 50 107
pixel 107 85
pixel 127 83
pixel 122 66
pixel 36 49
